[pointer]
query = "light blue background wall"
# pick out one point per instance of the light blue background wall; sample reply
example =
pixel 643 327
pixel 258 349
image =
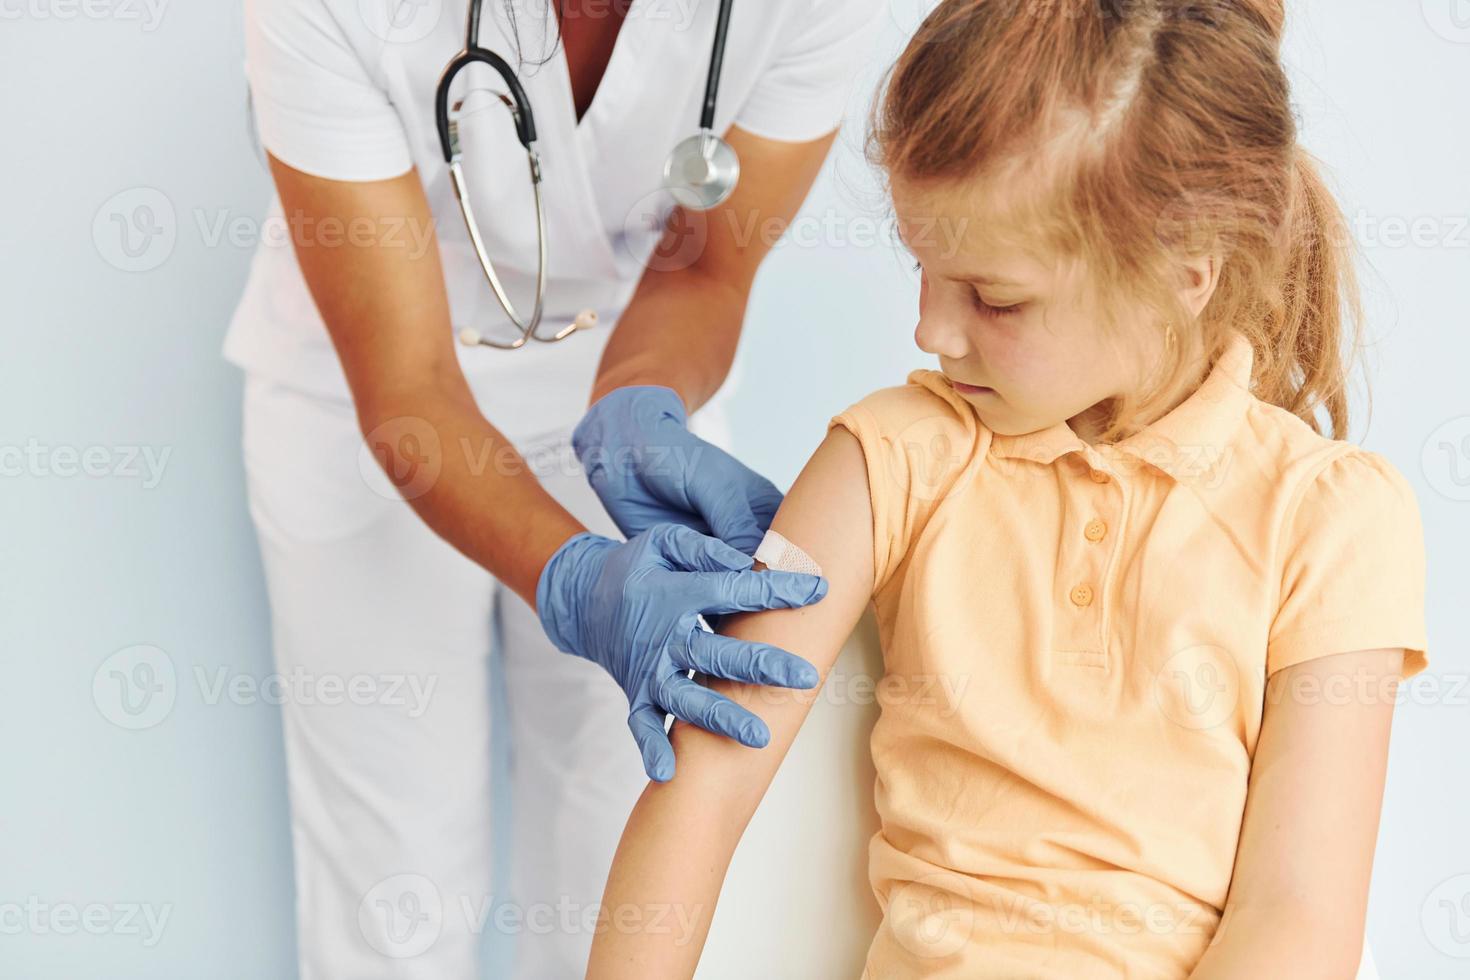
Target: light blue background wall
pixel 187 818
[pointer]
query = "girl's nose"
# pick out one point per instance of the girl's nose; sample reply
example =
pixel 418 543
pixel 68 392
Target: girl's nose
pixel 941 333
pixel 938 330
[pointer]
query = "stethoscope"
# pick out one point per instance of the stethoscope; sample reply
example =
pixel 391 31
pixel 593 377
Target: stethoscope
pixel 700 171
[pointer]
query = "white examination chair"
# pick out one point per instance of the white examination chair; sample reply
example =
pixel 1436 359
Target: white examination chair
pixel 796 904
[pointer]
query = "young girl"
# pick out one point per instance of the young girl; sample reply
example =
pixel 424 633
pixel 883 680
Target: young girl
pixel 1178 609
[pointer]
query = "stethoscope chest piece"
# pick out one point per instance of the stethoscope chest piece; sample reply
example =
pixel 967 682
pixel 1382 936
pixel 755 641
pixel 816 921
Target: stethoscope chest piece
pixel 701 171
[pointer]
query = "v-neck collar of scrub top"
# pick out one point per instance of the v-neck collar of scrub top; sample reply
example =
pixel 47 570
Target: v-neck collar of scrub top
pixel 568 147
pixel 602 175
pixel 618 78
pixel 572 150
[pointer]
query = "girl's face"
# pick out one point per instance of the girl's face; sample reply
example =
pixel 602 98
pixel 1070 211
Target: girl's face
pixel 1017 334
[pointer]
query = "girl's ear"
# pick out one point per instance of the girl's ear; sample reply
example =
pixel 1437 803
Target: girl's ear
pixel 1201 276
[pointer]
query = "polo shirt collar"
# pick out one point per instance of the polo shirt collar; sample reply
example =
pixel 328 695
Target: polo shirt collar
pixel 1191 443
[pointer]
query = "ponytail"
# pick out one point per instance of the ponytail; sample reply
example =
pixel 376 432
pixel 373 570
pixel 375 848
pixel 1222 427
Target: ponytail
pixel 1314 305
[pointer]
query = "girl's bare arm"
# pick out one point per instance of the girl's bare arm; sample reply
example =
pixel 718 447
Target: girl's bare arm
pixel 671 863
pixel 1299 896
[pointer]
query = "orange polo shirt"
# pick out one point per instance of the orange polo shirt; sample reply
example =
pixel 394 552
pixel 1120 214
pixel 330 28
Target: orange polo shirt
pixel 1076 643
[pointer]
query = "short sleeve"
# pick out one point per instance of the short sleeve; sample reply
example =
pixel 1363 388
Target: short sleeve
pixel 1353 573
pixel 316 104
pixel 803 94
pixel 916 446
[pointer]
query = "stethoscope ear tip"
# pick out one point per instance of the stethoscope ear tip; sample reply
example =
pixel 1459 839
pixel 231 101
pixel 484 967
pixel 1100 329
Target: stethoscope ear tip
pixel 584 320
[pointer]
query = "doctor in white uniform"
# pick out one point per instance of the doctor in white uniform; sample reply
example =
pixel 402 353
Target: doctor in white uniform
pixel 465 521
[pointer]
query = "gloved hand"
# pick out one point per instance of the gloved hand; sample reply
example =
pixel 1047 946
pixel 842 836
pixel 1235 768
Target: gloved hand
pixel 633 608
pixel 648 468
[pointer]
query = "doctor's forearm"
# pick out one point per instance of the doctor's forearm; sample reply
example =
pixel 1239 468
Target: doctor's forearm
pixel 466 480
pixel 679 330
pixel 388 316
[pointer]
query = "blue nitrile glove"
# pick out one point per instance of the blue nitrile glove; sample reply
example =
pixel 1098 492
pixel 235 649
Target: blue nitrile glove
pixel 648 468
pixel 633 607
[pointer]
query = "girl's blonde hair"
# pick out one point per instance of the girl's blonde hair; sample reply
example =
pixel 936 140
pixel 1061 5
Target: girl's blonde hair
pixel 1165 130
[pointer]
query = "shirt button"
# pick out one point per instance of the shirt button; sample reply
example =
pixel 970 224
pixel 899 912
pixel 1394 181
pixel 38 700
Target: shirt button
pixel 1094 530
pixel 1098 476
pixel 1082 595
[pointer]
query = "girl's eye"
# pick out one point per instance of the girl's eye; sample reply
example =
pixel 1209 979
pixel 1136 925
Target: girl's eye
pixel 987 310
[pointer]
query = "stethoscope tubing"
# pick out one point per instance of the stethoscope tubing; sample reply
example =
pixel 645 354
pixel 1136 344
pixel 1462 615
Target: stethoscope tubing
pixel 525 125
pixel 716 65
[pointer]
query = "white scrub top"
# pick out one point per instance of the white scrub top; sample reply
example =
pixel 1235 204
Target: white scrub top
pixel 345 89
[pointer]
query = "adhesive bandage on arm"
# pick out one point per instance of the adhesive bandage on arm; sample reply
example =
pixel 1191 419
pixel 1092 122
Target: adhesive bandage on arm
pixel 780 554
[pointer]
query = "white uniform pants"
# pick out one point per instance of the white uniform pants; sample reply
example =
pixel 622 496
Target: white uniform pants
pixel 386 632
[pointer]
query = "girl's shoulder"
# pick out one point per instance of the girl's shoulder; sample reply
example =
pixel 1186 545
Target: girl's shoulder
pixel 919 441
pixel 922 422
pixel 924 401
pixel 919 430
pixel 1303 463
